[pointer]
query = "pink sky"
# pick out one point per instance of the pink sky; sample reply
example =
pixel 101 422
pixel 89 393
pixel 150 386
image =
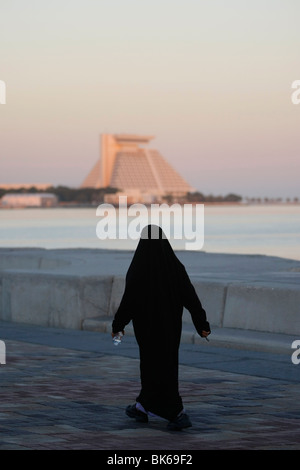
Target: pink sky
pixel 210 79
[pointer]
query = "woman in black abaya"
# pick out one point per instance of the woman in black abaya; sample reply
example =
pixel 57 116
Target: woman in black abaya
pixel 157 288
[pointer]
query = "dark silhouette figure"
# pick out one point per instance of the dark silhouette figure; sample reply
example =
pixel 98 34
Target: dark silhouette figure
pixel 157 288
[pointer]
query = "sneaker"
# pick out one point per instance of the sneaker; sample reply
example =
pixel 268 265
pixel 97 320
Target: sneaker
pixel 182 421
pixel 138 415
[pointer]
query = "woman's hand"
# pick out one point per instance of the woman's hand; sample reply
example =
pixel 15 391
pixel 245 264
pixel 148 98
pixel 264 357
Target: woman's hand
pixel 115 334
pixel 204 334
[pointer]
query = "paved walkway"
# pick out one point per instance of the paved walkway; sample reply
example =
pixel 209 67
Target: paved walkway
pixel 67 389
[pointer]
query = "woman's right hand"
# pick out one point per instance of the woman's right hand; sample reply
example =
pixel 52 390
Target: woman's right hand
pixel 115 334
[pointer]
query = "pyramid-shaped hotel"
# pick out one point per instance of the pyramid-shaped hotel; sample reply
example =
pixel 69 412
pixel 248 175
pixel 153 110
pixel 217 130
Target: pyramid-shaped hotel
pixel 139 172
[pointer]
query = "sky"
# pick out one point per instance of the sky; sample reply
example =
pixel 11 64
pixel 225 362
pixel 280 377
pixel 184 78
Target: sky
pixel 210 79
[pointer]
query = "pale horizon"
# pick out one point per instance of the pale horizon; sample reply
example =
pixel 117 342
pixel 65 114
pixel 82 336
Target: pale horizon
pixel 212 81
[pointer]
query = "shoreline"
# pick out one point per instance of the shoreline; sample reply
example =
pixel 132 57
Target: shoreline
pixel 131 250
pixel 205 203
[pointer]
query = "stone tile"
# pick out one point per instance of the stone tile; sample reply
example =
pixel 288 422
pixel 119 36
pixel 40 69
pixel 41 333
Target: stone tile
pixel 57 398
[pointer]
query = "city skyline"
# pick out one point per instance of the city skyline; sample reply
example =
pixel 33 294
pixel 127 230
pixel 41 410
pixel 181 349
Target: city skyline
pixel 211 80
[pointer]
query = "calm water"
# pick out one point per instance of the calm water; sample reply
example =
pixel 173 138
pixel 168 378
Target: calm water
pixel 258 229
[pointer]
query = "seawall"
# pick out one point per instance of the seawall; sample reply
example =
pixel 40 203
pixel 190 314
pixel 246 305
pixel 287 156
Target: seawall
pixel 81 289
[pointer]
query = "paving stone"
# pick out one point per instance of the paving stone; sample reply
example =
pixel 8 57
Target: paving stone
pixel 75 398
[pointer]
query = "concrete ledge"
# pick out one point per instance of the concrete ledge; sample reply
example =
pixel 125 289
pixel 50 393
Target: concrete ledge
pixel 251 340
pixel 220 337
pixel 117 290
pixel 212 296
pixel 261 308
pixel 103 325
pixel 74 288
pixel 53 299
pixel 22 260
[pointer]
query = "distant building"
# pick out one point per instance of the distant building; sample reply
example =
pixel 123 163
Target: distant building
pixel 38 186
pixel 14 200
pixel 141 173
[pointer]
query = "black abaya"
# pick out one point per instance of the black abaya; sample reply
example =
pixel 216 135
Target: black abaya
pixel 157 288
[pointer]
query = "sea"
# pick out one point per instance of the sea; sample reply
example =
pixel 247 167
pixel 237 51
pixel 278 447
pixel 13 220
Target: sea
pixel 261 229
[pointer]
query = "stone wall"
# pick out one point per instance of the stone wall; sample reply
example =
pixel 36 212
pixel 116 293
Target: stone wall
pixel 35 290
